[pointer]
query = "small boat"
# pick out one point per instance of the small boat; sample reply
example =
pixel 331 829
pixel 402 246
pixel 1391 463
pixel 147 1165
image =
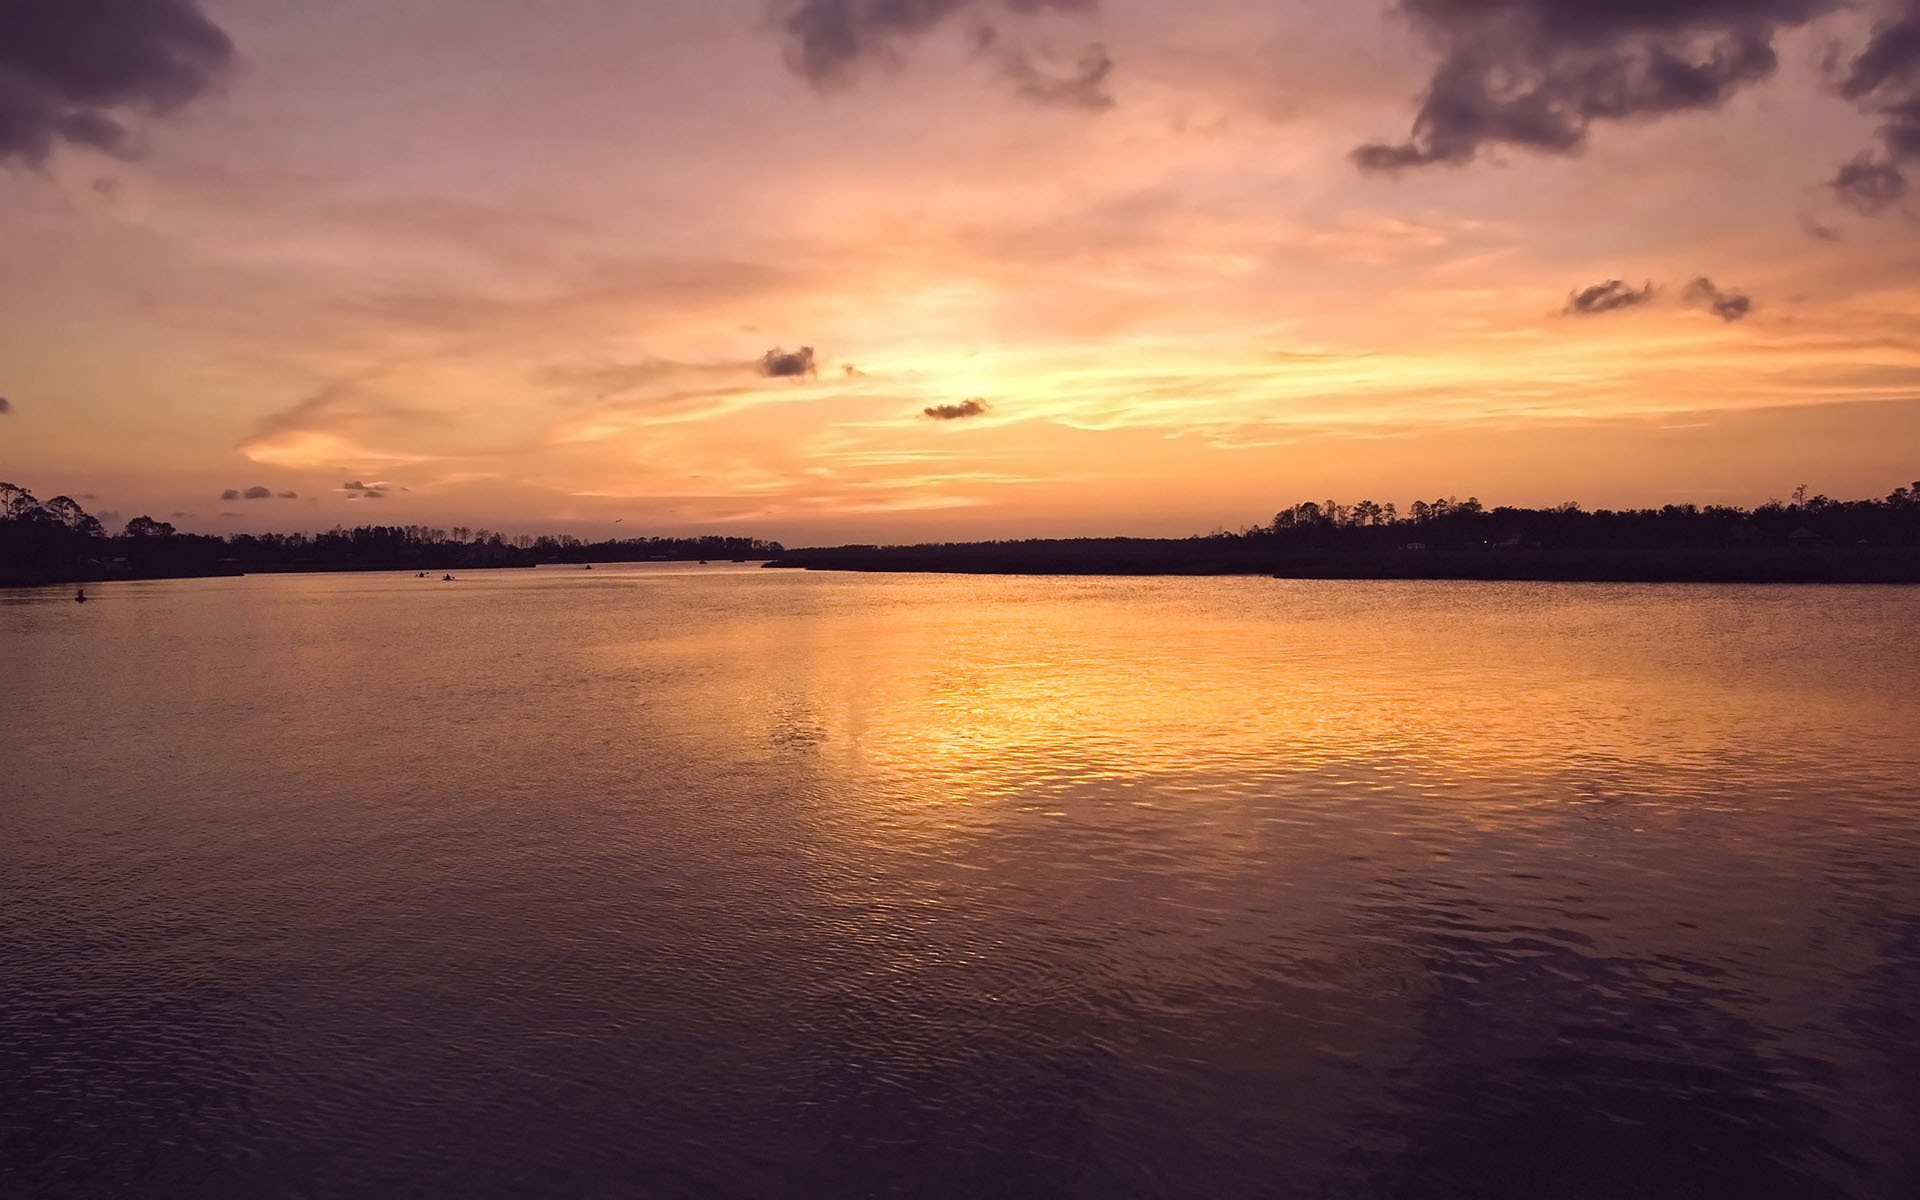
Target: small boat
pixel 80 596
pixel 446 579
pixel 589 566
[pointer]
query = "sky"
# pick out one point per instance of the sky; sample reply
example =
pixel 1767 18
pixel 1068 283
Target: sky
pixel 891 270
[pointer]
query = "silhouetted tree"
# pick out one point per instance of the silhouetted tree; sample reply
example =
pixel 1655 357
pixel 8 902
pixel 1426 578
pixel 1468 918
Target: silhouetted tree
pixel 145 527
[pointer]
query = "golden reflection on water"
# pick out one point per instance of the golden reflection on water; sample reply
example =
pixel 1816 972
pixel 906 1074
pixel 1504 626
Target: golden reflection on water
pixel 980 690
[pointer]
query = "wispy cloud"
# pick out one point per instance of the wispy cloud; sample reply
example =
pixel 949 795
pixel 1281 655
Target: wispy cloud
pixel 1725 304
pixel 1611 296
pixel 829 42
pixel 1044 77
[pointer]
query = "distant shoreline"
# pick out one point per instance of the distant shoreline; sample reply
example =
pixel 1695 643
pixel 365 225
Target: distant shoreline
pixel 1195 558
pixel 1813 539
pixel 1208 557
pixel 65 578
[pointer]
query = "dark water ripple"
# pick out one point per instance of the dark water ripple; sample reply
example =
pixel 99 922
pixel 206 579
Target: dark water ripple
pixel 663 882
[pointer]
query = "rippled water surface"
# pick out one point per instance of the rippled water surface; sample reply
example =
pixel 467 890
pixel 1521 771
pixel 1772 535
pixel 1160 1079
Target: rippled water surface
pixel 723 881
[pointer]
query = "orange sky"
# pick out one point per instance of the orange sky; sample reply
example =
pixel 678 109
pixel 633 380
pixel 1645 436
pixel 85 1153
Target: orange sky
pixel 519 271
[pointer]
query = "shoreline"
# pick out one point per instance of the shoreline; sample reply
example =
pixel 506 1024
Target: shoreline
pixel 19 579
pixel 1145 558
pixel 1126 557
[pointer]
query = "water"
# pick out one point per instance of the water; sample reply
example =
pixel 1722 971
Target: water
pixel 721 881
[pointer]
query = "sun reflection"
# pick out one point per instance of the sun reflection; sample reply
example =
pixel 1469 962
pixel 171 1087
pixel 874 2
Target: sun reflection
pixel 988 692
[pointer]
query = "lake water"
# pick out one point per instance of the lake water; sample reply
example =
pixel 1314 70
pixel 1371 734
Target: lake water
pixel 678 881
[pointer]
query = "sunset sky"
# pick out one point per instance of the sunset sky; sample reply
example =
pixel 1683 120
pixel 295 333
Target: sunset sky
pixel 1065 267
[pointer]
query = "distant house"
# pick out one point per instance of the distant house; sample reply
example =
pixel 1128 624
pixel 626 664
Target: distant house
pixel 1414 546
pixel 1804 537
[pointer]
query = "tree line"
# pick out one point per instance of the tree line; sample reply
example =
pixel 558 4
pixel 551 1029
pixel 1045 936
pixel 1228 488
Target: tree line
pixel 57 540
pixel 1802 540
pixel 1453 523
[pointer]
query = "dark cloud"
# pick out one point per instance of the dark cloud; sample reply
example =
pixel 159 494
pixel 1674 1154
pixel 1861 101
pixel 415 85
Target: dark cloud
pixel 778 364
pixel 1538 73
pixel 257 492
pixel 1890 60
pixel 1869 185
pixel 830 41
pixel 75 71
pixel 956 412
pixel 1727 305
pixel 230 494
pixel 356 490
pixel 289 495
pixel 1606 297
pixel 1884 81
pixel 6 406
